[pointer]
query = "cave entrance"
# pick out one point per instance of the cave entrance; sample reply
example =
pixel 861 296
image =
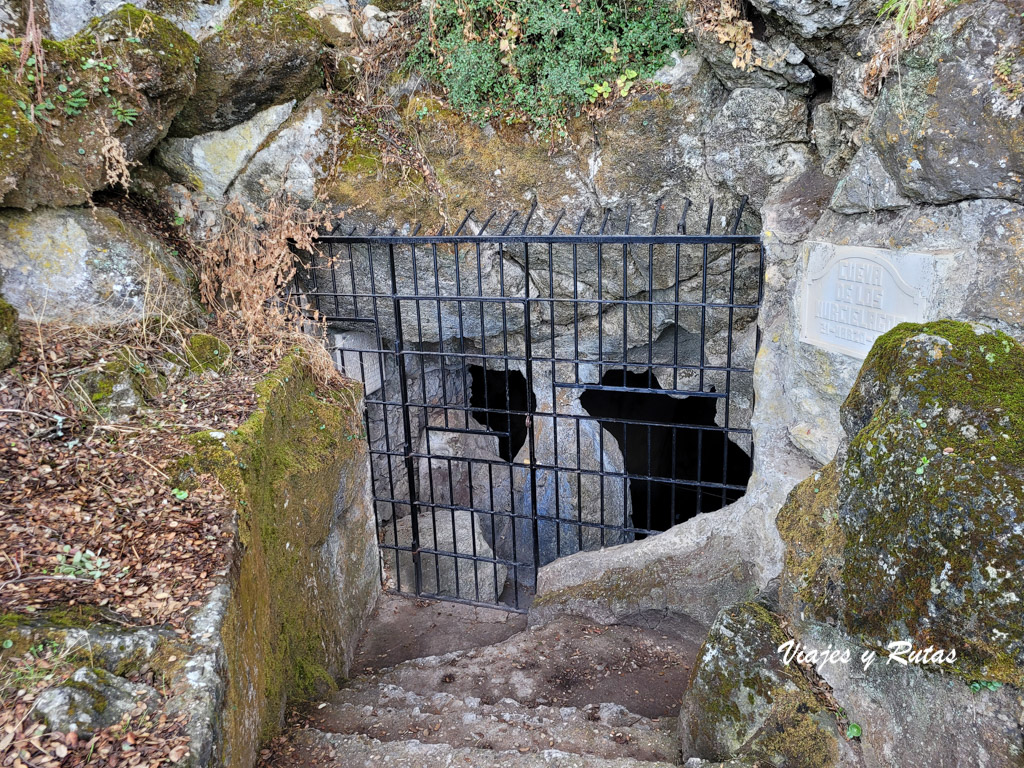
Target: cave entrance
pixel 502 403
pixel 536 387
pixel 680 463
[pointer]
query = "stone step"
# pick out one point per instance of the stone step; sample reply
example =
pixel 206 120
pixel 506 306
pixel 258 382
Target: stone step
pixel 568 662
pixel 390 713
pixel 317 748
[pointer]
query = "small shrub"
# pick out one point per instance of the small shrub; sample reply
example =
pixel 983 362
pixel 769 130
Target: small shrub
pixel 540 61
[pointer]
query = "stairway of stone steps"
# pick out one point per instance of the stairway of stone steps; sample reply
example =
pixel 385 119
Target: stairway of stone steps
pixel 567 694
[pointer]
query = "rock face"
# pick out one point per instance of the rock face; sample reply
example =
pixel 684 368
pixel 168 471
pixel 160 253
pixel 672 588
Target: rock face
pixel 87 266
pixel 309 573
pixel 953 130
pixel 10 337
pixel 928 496
pixel 744 701
pixel 267 53
pixel 907 537
pixel 69 17
pixel 97 125
pixel 210 162
pixel 92 699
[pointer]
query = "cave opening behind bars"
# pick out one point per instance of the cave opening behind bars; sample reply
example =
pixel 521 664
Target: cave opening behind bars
pixel 535 390
pixel 672 450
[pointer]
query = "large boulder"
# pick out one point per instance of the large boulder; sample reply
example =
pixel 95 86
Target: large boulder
pixel 929 495
pixel 210 162
pixel 950 126
pixel 112 91
pixel 744 701
pixel 267 52
pixel 907 541
pixel 87 266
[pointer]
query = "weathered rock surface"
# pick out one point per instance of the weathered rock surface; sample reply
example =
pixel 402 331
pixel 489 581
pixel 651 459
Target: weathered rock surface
pixel 744 701
pixel 68 17
pixel 10 337
pixel 266 53
pixel 310 573
pixel 950 127
pixel 908 537
pixel 78 145
pixel 91 700
pixel 210 162
pixel 866 186
pixel 928 490
pixel 87 266
pixel 364 752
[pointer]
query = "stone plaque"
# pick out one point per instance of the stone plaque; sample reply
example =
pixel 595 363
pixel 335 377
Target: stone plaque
pixel 852 295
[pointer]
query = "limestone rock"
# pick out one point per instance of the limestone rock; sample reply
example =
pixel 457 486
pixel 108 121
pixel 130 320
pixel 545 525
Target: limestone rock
pixel 757 139
pixel 929 492
pixel 743 701
pixel 69 17
pixel 336 22
pixel 950 127
pixel 290 162
pixel 266 54
pixel 14 17
pixel 17 132
pixel 91 700
pixel 210 162
pixel 115 390
pixel 866 186
pixel 10 338
pixel 87 266
pixel 79 142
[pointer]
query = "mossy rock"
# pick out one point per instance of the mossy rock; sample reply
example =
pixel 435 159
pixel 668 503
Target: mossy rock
pixel 296 469
pixel 744 702
pixel 10 337
pixel 204 352
pixel 267 53
pixel 118 389
pixel 915 532
pixel 18 134
pixel 132 72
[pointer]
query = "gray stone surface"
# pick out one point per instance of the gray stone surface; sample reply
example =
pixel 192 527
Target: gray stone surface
pixel 210 162
pixel 197 17
pixel 947 128
pixel 866 186
pixel 87 266
pixel 390 713
pixel 93 699
pixel 363 752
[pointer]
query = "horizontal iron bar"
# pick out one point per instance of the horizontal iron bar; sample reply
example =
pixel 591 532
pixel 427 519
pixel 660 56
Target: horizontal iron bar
pixel 610 239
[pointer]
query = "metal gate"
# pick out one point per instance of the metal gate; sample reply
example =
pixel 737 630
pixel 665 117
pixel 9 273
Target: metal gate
pixel 530 394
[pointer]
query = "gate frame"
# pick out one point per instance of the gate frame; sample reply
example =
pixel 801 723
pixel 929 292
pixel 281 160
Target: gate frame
pixel 407 236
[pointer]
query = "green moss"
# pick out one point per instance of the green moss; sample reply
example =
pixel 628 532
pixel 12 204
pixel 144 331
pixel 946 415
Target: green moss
pixel 149 65
pixel 267 53
pixel 99 701
pixel 204 352
pixel 930 493
pixel 10 338
pixel 283 466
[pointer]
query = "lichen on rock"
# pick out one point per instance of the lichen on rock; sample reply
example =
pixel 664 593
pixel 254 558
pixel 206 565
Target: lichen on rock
pixel 744 701
pixel 127 89
pixel 266 53
pixel 10 337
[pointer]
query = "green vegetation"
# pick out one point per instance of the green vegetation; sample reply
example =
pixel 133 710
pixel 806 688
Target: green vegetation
pixel 540 62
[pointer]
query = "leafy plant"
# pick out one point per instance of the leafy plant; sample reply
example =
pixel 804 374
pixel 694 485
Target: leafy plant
pixel 540 61
pixel 126 115
pixel 71 103
pixel 853 731
pixel 84 563
pixel 909 16
pixel 179 494
pixel 990 685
